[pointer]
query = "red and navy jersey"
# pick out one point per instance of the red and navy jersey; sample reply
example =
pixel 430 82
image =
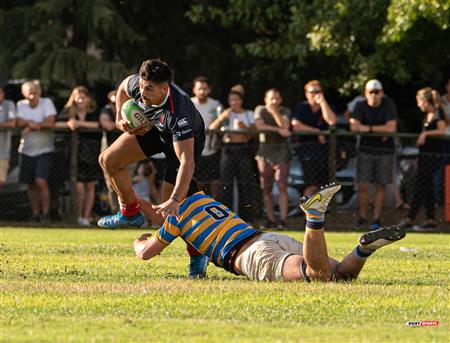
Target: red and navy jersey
pixel 177 119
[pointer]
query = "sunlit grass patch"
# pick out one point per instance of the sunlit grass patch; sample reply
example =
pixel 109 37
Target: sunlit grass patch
pixel 87 285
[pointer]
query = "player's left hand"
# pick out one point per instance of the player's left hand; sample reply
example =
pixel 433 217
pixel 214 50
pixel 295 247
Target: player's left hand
pixel 170 207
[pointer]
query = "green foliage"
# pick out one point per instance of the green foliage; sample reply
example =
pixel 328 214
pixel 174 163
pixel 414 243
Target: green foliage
pixel 87 285
pixel 366 38
pixel 63 41
pixel 260 44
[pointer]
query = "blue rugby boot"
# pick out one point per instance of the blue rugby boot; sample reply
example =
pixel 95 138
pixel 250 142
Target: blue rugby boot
pixel 118 220
pixel 197 267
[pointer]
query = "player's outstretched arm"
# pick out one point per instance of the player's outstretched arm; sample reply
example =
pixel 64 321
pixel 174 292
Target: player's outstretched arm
pixel 149 212
pixel 147 247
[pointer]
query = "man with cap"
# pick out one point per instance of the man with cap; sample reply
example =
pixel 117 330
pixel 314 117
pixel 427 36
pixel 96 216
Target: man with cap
pixel 373 117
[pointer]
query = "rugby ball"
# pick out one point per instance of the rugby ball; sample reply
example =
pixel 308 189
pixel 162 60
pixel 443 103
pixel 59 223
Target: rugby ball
pixel 134 115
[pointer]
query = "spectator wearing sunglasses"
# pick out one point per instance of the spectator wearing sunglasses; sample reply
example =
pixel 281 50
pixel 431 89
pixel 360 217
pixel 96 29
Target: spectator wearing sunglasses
pixel 313 115
pixel 377 114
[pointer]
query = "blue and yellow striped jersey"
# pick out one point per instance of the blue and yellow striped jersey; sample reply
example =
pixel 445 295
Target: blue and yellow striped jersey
pixel 208 225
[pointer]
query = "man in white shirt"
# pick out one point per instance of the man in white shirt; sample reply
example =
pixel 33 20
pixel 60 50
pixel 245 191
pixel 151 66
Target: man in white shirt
pixel 35 114
pixel 208 171
pixel 7 120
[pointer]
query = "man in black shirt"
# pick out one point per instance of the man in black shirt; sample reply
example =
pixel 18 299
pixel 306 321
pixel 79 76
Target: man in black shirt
pixel 375 159
pixel 314 115
pixel 178 131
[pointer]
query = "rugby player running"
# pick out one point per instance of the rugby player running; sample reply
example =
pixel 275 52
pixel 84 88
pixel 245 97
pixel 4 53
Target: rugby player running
pixel 177 131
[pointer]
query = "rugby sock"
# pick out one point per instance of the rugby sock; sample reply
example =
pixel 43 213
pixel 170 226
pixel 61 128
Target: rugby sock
pixel 130 210
pixel 362 253
pixel 315 220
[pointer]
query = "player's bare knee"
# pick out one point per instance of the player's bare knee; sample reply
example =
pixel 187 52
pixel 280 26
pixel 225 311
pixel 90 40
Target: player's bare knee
pixel 108 162
pixel 102 159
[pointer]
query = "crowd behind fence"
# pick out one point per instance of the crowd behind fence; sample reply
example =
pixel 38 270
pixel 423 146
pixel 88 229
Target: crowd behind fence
pixel 240 186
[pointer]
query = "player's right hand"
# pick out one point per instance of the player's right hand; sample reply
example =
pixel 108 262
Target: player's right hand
pixel 124 126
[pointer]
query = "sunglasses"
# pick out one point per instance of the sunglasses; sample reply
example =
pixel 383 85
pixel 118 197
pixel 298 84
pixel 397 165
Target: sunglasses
pixel 374 92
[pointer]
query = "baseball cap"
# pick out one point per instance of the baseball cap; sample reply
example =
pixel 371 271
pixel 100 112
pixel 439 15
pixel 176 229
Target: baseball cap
pixel 374 84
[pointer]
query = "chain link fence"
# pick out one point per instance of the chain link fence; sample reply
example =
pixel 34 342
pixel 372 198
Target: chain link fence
pixel 316 159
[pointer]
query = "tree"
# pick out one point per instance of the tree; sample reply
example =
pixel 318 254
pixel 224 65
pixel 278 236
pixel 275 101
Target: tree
pixel 346 41
pixel 66 42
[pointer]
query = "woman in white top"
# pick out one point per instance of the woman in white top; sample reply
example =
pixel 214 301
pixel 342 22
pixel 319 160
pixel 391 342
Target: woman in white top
pixel 236 154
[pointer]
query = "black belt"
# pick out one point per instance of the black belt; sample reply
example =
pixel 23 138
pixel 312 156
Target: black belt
pixel 230 258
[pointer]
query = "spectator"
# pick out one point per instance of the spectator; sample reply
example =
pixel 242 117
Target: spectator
pixel 430 157
pixel 78 113
pixel 375 157
pixel 144 182
pixel 208 171
pixel 446 105
pixel 7 120
pixel 108 118
pixel 313 115
pixel 273 153
pixel 351 106
pixel 235 161
pixel 108 122
pixel 36 147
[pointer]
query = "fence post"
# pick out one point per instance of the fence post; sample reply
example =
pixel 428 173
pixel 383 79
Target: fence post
pixel 332 148
pixel 73 215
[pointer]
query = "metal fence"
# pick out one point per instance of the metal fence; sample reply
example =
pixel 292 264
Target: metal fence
pixel 238 185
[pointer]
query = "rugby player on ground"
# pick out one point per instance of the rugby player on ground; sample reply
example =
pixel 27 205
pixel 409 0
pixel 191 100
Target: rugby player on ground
pixel 235 246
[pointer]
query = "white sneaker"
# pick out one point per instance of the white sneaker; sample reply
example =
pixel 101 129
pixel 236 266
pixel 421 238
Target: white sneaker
pixel 84 222
pixel 320 200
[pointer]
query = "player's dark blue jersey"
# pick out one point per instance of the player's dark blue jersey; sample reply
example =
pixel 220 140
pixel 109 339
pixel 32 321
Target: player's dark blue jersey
pixel 177 119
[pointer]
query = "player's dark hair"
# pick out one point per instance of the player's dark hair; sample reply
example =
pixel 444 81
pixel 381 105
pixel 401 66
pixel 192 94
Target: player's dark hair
pixel 201 78
pixel 155 70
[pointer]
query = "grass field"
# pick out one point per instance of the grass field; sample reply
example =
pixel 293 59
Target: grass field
pixel 76 285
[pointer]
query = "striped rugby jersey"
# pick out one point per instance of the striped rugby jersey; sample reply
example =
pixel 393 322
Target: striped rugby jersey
pixel 208 225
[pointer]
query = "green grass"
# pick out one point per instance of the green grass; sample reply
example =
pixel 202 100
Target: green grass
pixel 76 285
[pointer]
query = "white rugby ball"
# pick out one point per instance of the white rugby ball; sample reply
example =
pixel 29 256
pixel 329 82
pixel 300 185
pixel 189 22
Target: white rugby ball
pixel 134 115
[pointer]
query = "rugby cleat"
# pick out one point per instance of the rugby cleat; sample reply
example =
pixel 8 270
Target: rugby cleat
pixel 379 238
pixel 320 200
pixel 118 220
